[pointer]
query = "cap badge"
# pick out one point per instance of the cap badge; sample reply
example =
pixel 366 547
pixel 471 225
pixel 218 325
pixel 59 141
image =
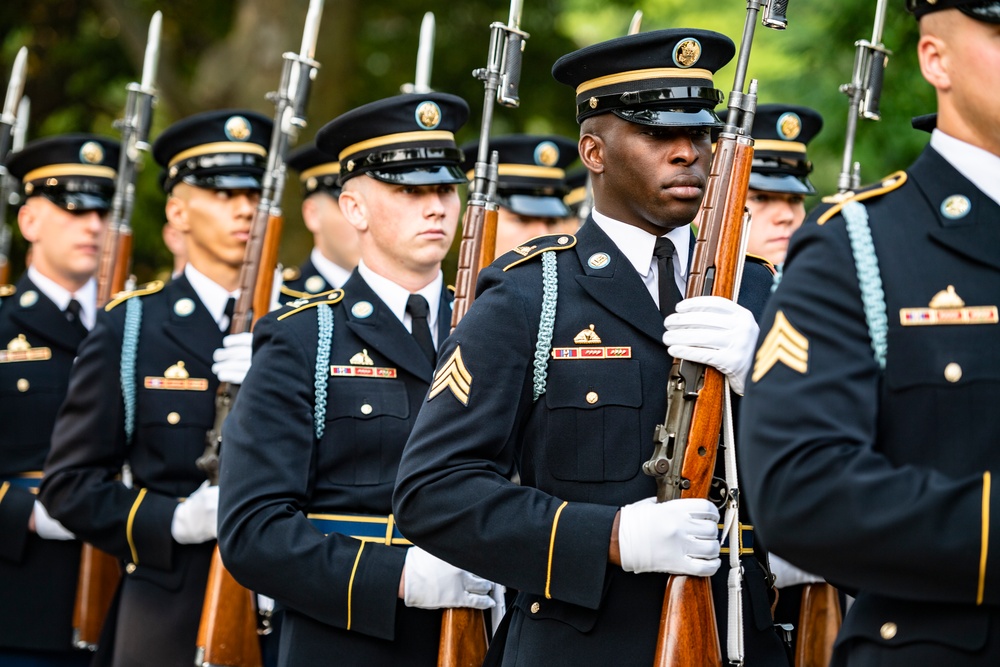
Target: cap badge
pixel 587 337
pixel 362 359
pixel 789 126
pixel 362 310
pixel 428 115
pixel 315 284
pixel 546 154
pixel 955 207
pixel 598 260
pixel 350 165
pixel 91 153
pixel 184 307
pixel 237 128
pixel 687 52
pixel 29 299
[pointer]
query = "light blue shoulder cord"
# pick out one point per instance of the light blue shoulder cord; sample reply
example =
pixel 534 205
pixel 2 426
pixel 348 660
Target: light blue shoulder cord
pixel 543 348
pixel 130 349
pixel 324 316
pixel 869 277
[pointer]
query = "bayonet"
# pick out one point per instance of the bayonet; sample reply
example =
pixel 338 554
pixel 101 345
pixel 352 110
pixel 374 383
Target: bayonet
pixel 635 25
pixel 425 57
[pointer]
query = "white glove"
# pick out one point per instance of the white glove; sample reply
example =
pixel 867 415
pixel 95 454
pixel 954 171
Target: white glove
pixel 431 583
pixel 195 519
pixel 232 360
pixel 714 331
pixel 678 537
pixel 278 281
pixel 786 574
pixel 48 528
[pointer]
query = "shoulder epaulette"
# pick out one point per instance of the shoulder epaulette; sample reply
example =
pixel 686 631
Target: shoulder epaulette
pixel 887 184
pixel 451 288
pixel 535 247
pixel 7 290
pixel 288 291
pixel 290 273
pixel 766 263
pixel 122 297
pixel 330 298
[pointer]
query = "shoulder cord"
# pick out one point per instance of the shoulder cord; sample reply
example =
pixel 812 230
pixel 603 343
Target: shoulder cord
pixel 130 350
pixel 543 347
pixel 734 529
pixel 324 340
pixel 869 277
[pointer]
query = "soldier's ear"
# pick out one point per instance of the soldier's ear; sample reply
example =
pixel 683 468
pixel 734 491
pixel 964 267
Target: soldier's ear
pixel 355 208
pixel 592 152
pixel 29 221
pixel 935 61
pixel 310 214
pixel 177 213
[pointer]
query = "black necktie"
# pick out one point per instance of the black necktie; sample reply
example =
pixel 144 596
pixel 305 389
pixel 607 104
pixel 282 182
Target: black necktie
pixel 417 307
pixel 663 251
pixel 72 314
pixel 228 312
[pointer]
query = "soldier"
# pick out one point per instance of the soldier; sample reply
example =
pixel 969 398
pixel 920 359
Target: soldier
pixel 69 182
pixel 142 392
pixel 530 185
pixel 559 370
pixel 869 442
pixel 779 180
pixel 315 437
pixel 335 253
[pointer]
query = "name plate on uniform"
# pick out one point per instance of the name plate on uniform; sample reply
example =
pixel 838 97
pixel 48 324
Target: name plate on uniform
pixel 363 372
pixel 592 352
pixel 176 384
pixel 917 317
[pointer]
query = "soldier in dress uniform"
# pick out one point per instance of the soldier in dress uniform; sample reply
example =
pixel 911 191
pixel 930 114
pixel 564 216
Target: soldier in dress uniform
pixel 868 437
pixel 558 372
pixel 335 251
pixel 779 177
pixel 142 392
pixel 531 184
pixel 68 183
pixel 314 440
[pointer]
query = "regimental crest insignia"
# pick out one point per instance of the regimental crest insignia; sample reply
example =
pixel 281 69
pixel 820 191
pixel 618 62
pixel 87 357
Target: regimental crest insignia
pixel 947 307
pixel 238 128
pixel 19 349
pixel 955 207
pixel 454 376
pixel 546 154
pixel 91 153
pixel 362 359
pixel 587 337
pixel 687 52
pixel 428 115
pixel 315 284
pixel 783 344
pixel 789 126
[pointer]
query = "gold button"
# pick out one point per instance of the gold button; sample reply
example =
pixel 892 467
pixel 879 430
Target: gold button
pixel 130 568
pixel 535 607
pixel 592 397
pixel 888 630
pixel 953 372
pixel 22 385
pixel 173 417
pixel 366 409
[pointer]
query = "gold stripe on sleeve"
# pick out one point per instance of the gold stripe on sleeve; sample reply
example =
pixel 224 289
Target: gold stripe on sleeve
pixel 131 520
pixel 350 584
pixel 984 549
pixel 552 546
pixel 3 490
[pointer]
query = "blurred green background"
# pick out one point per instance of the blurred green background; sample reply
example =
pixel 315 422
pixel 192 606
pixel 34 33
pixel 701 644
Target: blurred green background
pixel 227 53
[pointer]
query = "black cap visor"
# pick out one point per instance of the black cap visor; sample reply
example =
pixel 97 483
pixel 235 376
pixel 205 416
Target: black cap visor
pixel 225 181
pixel 670 117
pixel 989 12
pixel 784 183
pixel 429 175
pixel 78 196
pixel 534 206
pixel 219 171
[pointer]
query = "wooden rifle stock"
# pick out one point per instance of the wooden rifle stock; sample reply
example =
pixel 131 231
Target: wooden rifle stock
pixel 479 238
pixel 687 443
pixel 227 635
pixel 269 258
pixel 95 589
pixel 819 623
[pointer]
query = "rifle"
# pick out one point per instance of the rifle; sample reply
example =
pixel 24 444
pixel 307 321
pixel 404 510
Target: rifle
pixel 99 571
pixel 864 91
pixel 8 122
pixel 10 190
pixel 820 612
pixel 686 444
pixel 425 58
pixel 227 635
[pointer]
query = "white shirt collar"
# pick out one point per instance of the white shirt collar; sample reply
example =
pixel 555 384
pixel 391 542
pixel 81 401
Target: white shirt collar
pixel 59 295
pixel 334 274
pixel 212 295
pixel 980 166
pixel 395 296
pixel 637 245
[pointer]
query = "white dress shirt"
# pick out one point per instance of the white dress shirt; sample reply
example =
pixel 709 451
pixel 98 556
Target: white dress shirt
pixel 212 295
pixel 980 166
pixel 59 295
pixel 395 297
pixel 334 274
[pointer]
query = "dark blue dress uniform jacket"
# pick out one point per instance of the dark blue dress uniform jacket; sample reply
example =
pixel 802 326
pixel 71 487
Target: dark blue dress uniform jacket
pixel 340 595
pixel 882 481
pixel 578 450
pixel 37 577
pixel 163 589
